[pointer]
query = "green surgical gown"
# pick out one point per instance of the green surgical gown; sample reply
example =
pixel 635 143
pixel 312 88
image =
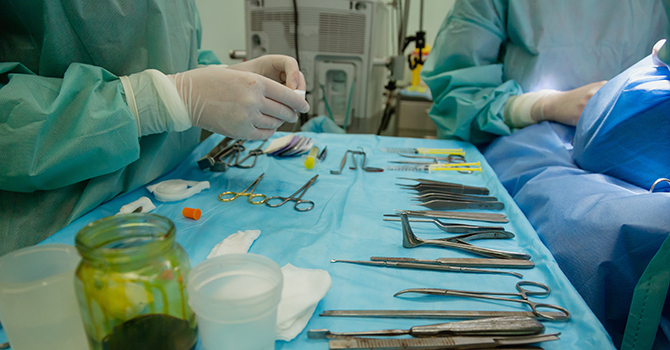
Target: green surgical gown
pixel 69 141
pixel 489 50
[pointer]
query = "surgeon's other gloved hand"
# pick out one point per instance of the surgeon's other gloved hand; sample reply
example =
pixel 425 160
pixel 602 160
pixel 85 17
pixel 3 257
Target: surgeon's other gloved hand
pixel 564 106
pixel 660 54
pixel 282 69
pixel 237 104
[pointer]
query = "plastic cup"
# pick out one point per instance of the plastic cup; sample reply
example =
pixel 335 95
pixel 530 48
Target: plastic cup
pixel 38 306
pixel 235 300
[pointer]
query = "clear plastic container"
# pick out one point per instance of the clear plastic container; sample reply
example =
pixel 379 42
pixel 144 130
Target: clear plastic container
pixel 38 307
pixel 131 285
pixel 235 298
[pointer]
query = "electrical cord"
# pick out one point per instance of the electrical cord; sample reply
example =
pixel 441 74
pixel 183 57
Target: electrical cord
pixel 303 116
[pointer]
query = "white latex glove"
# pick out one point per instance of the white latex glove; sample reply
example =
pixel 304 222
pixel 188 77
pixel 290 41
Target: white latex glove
pixel 282 69
pixel 660 54
pixel 564 106
pixel 236 103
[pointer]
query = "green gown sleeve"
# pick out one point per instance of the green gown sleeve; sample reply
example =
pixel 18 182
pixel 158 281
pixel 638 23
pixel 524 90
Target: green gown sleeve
pixel 465 75
pixel 56 132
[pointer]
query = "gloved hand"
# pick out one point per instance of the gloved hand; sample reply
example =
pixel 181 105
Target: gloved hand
pixel 660 53
pixel 564 106
pixel 282 69
pixel 236 103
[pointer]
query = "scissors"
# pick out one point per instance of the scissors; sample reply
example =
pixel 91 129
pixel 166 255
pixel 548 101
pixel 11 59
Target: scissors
pixel 292 198
pixel 244 192
pixel 563 315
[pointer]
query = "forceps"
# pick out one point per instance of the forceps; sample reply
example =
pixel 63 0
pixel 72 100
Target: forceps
pixel 251 195
pixel 523 293
pixel 295 199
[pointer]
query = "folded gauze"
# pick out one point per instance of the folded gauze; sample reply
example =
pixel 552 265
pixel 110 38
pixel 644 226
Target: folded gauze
pixel 302 291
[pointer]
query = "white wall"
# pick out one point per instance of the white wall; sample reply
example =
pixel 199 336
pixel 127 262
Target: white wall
pixel 222 27
pixel 223 23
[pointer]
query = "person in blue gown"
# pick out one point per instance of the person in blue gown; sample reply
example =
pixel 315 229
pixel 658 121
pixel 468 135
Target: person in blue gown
pixel 501 65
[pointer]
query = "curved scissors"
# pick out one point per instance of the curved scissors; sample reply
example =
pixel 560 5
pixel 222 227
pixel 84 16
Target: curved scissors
pixel 292 198
pixel 251 195
pixel 523 293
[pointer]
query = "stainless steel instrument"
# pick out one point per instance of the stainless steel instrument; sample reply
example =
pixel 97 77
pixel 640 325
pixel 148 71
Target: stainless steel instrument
pixel 515 325
pixel 421 266
pixel 438 343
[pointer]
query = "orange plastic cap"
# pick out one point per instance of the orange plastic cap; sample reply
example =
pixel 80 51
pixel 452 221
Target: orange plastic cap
pixel 191 213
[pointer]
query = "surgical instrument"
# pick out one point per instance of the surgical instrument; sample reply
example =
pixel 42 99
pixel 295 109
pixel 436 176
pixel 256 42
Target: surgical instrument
pixel 298 200
pixel 4 346
pixel 427 196
pixel 651 190
pixel 509 326
pixel 409 240
pixel 432 267
pixel 323 154
pixel 355 166
pixel 453 228
pixel 431 314
pixel 344 161
pixel 409 150
pixel 465 262
pixel 367 168
pixel 452 158
pixel 209 159
pixel 438 214
pixel 253 153
pixel 482 342
pixel 464 167
pixel 439 204
pixel 250 195
pixel 447 186
pixel 523 294
pixel 220 162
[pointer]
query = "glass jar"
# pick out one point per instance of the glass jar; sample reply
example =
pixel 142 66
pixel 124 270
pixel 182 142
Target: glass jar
pixel 131 285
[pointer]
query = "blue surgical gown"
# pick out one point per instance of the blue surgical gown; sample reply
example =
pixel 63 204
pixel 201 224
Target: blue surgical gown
pixel 69 141
pixel 489 50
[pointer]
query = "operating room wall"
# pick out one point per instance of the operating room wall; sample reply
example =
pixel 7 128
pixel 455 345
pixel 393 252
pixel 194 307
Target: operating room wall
pixel 223 24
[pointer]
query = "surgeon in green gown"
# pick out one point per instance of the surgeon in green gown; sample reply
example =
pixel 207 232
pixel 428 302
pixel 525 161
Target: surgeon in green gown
pixel 500 65
pixel 98 98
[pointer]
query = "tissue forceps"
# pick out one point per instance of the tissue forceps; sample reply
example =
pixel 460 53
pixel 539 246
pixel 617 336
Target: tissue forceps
pixel 298 200
pixel 523 294
pixel 251 195
pixel 453 228
pixel 422 266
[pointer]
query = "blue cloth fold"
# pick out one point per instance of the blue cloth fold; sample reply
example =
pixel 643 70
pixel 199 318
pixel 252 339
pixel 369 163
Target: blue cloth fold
pixel 602 231
pixel 623 131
